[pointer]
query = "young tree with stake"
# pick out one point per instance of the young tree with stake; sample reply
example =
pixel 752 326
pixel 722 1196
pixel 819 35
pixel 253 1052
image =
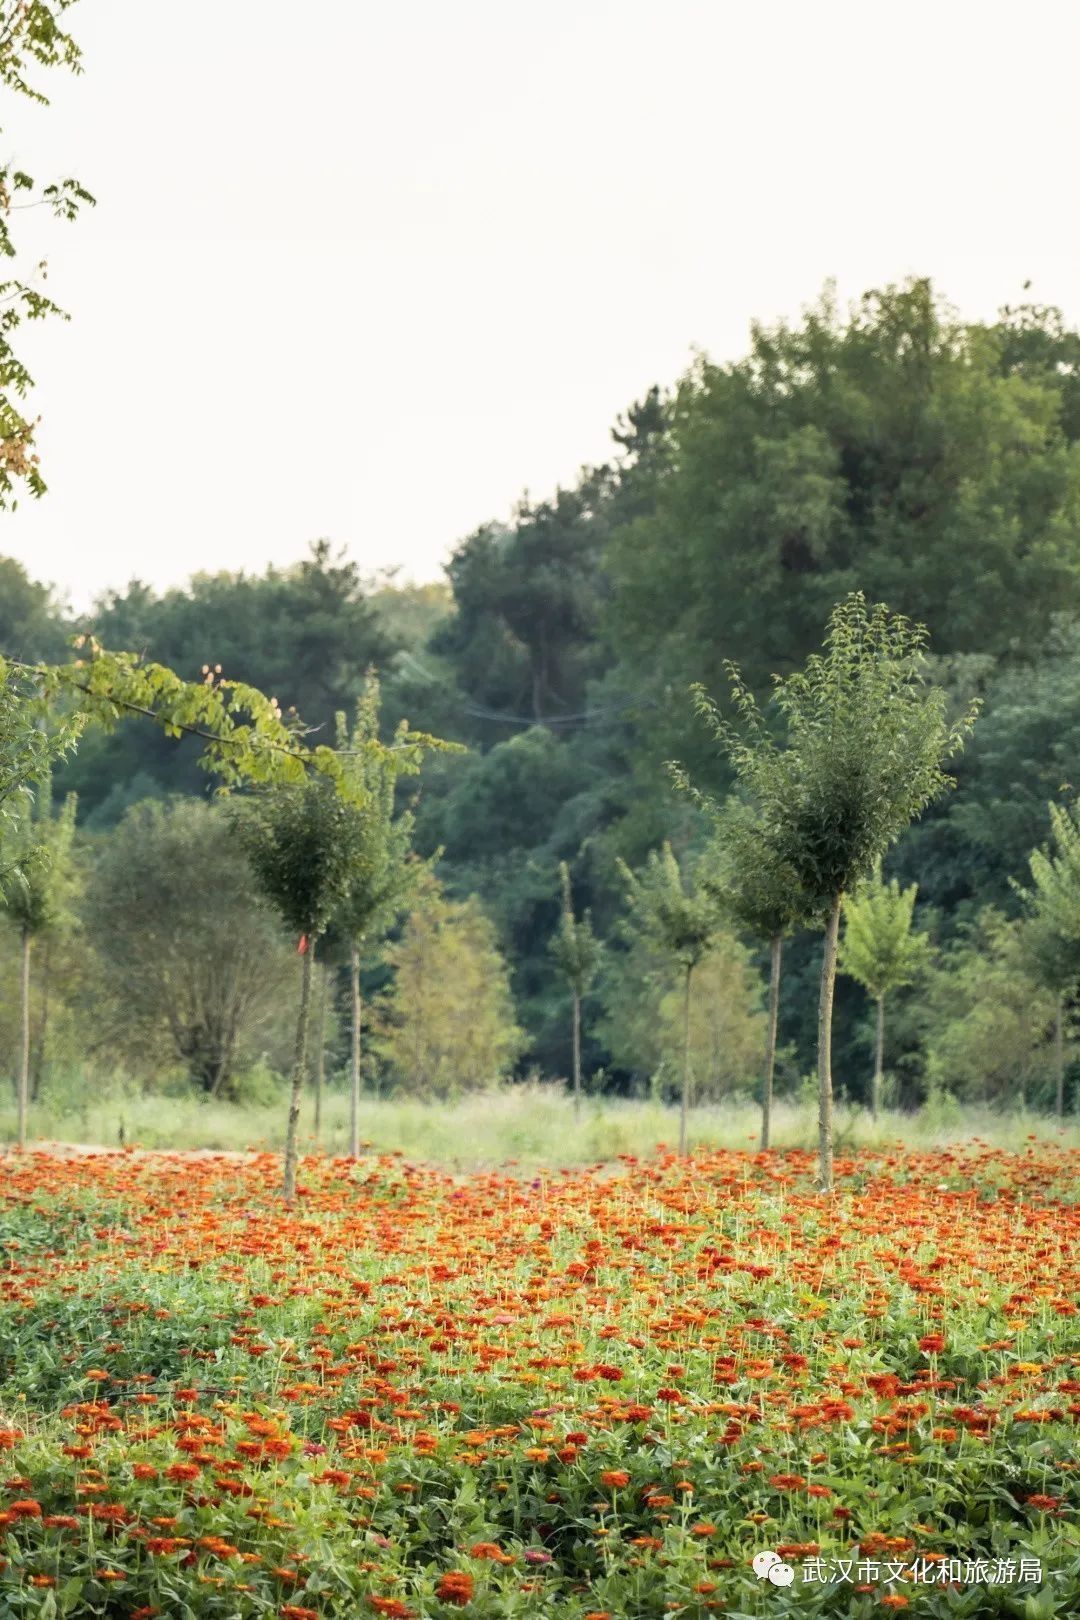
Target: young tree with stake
pixel 1051 931
pixel 305 843
pixel 762 897
pixel 883 952
pixel 576 952
pixel 386 872
pixel 681 924
pixel 866 738
pixel 35 891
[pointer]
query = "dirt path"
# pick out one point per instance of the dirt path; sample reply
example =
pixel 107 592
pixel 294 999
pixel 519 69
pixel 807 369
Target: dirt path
pixel 90 1150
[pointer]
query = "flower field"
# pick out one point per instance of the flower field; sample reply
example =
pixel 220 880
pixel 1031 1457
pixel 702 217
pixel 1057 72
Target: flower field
pixel 580 1394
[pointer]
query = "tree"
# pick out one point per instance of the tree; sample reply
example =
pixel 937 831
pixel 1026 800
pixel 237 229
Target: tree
pixel 30 35
pixel 576 952
pixel 385 874
pixel 35 895
pixel 1051 933
pixel 642 1023
pixel 988 1015
pixel 866 737
pixel 194 962
pixel 761 896
pixel 892 446
pixel 32 738
pixel 446 1024
pixel 304 843
pixel 528 595
pixel 679 923
pixel 882 952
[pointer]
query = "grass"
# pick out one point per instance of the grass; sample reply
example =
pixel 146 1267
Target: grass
pixel 531 1124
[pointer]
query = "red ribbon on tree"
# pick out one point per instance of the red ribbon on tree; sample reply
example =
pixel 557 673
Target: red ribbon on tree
pixel 302 947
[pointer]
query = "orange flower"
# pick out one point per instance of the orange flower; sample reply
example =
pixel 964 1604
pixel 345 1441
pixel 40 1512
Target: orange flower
pixel 455 1587
pixel 182 1471
pixel 615 1479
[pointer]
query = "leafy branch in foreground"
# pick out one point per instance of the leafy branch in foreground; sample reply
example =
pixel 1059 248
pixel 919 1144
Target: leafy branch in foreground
pixel 31 34
pixel 248 738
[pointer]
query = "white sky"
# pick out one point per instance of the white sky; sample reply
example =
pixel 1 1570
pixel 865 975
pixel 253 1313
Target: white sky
pixel 370 271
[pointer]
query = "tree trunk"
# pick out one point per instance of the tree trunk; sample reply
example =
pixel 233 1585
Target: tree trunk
pixel 320 1055
pixel 1059 1056
pixel 825 1010
pixel 354 1076
pixel 879 1060
pixel 298 1074
pixel 24 1043
pixel 685 1109
pixel 577 1052
pixel 775 949
pixel 37 1068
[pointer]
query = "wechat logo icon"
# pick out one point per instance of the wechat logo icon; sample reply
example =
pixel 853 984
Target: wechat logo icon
pixel 769 1566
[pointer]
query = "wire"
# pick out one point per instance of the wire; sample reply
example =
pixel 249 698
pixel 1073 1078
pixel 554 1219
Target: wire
pixel 479 712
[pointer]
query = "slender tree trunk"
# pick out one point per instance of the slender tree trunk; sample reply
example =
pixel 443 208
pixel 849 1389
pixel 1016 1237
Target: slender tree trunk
pixel 298 1074
pixel 879 1060
pixel 577 1051
pixel 1059 1056
pixel 775 948
pixel 38 1065
pixel 24 1043
pixel 825 1010
pixel 354 1074
pixel 685 1109
pixel 320 1055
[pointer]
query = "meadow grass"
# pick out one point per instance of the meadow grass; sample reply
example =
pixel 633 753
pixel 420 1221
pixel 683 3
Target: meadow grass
pixel 530 1125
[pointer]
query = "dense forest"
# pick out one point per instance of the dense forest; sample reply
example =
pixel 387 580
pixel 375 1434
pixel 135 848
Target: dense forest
pixel 893 448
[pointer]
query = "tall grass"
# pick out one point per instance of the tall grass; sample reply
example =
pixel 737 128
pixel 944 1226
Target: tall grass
pixel 530 1125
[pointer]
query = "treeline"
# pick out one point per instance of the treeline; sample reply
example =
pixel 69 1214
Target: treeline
pixel 930 462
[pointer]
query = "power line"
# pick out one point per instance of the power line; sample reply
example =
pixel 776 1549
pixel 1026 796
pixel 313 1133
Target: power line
pixel 479 712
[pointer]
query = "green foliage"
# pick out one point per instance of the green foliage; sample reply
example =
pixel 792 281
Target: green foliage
pixel 304 843
pixel 245 737
pixel 676 921
pixel 37 886
pixel 528 599
pixel 193 966
pixel 1051 934
pixel 987 1016
pixel 879 947
pixel 446 1023
pixel 864 741
pixel 892 447
pixel 31 35
pixel 750 883
pixel 642 1023
pixel 574 947
pixel 384 872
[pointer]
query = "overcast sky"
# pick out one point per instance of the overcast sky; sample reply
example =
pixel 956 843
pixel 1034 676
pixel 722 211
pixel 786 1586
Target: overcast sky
pixel 370 271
